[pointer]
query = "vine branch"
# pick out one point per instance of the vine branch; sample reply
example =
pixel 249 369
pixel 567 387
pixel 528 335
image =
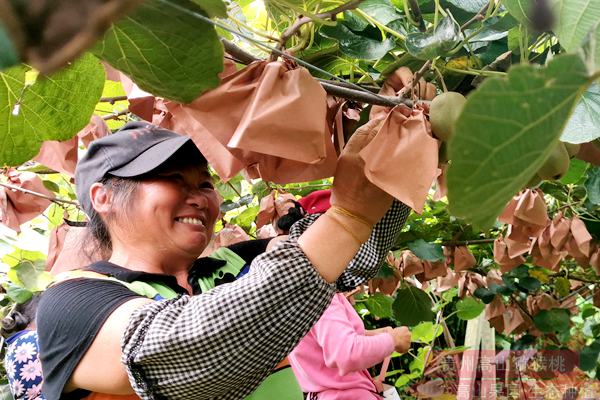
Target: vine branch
pixel 36 194
pixel 115 115
pixel 301 20
pixel 333 88
pixel 454 243
pixel 112 100
pixel 414 7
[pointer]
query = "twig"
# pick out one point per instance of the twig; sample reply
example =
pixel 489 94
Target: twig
pixel 416 78
pixel 364 97
pixel 43 196
pixel 115 115
pixel 234 189
pixel 454 243
pixel 477 17
pixel 112 100
pixel 292 30
pixel 414 7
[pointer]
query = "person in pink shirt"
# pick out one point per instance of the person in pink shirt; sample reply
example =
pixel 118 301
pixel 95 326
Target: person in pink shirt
pixel 331 361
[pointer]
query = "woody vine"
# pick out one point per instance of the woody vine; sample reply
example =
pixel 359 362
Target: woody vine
pixel 508 227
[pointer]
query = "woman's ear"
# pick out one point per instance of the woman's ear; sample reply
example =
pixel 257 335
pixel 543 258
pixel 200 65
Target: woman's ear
pixel 101 198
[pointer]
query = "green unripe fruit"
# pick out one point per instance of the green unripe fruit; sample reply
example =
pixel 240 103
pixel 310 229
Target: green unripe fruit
pixel 556 165
pixel 443 113
pixel 534 181
pixel 572 148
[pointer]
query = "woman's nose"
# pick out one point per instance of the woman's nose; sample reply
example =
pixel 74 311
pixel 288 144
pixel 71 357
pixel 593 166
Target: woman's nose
pixel 197 199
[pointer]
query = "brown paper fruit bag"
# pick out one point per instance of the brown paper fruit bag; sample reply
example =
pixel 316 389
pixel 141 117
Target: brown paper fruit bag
pixel 402 158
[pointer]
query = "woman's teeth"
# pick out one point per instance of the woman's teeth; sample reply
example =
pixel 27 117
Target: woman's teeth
pixel 193 221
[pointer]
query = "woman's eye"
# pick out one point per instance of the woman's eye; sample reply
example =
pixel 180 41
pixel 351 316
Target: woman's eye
pixel 206 185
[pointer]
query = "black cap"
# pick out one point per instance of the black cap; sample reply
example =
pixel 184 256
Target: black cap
pixel 136 149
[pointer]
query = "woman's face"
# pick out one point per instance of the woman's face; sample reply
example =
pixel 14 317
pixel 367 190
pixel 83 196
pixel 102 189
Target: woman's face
pixel 175 211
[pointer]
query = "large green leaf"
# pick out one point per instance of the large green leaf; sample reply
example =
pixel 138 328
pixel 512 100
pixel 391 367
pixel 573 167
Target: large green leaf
pixel 588 357
pixel 471 6
pixel 427 251
pixel 519 9
pixel 426 332
pixel 213 8
pixel 592 185
pixel 429 45
pixel 575 19
pixel 165 50
pixel 554 320
pixel 357 46
pixel 411 306
pixel 507 129
pixel 380 305
pixel 381 10
pixel 584 124
pixel 469 308
pixel 52 108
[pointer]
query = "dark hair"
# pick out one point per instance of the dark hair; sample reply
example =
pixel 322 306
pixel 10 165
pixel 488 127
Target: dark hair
pixel 20 317
pixel 294 215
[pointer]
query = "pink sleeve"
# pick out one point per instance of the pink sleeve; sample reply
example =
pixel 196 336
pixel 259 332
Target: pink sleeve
pixel 343 347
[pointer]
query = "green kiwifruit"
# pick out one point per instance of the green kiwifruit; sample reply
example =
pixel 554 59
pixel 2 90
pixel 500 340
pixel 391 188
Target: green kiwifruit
pixel 556 165
pixel 443 113
pixel 572 148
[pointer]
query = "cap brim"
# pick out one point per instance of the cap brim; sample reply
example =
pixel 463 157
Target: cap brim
pixel 152 158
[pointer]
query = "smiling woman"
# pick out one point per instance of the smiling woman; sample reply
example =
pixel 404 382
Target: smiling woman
pixel 139 325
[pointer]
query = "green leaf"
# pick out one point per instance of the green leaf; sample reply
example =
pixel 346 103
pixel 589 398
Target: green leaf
pixel 471 6
pixel 31 275
pixel 51 108
pixel 411 306
pixel 8 52
pixel 354 22
pixel 588 357
pixel 522 116
pixel 577 169
pixel 584 124
pixel 429 45
pixel 18 294
pixel 562 287
pixel 591 49
pixel 357 46
pixel 575 19
pixel 381 10
pixel 212 8
pixel 166 51
pixel 520 9
pixel 425 332
pixel 529 284
pixel 485 294
pixel 427 251
pixel 554 320
pixel 380 305
pixel 469 308
pixel 592 185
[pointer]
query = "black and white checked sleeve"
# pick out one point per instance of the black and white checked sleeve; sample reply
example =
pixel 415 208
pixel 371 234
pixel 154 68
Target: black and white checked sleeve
pixel 365 264
pixel 222 344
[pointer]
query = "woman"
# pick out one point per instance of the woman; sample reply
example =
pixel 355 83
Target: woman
pixel 150 199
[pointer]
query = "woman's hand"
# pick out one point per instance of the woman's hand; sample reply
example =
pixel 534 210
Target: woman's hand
pixel 351 189
pixel 402 337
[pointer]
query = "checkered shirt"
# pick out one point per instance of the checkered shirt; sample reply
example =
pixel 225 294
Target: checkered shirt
pixel 224 343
